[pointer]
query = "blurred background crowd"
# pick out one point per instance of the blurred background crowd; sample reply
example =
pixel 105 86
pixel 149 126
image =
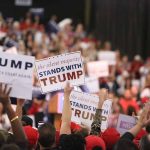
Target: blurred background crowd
pixel 128 81
pixel 90 27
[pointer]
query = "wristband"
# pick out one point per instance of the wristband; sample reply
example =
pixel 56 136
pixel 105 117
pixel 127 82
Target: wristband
pixel 13 119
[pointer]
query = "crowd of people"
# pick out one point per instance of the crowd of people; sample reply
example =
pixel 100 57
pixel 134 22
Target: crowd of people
pixel 128 85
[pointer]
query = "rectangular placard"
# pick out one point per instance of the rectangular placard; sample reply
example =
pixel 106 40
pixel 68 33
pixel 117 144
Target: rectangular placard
pixel 125 123
pixel 53 72
pixel 17 70
pixel 98 69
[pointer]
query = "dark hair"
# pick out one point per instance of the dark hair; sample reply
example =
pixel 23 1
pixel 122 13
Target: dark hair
pixel 148 128
pixel 130 110
pixel 97 148
pixel 72 142
pixel 26 121
pixel 46 135
pixel 144 143
pixel 125 145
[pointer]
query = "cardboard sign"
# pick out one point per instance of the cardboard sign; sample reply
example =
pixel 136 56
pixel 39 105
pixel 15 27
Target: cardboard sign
pixel 125 123
pixel 17 71
pixel 83 107
pixel 98 69
pixel 12 50
pixel 92 84
pixel 105 114
pixel 108 56
pixel 53 72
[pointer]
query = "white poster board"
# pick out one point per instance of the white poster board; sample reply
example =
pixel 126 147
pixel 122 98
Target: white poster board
pixel 107 105
pixel 17 70
pixel 92 84
pixel 12 50
pixel 125 123
pixel 109 56
pixel 83 107
pixel 98 69
pixel 53 72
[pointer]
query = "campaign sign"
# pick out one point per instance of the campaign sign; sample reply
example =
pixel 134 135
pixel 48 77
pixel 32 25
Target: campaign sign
pixel 98 69
pixel 125 123
pixel 92 84
pixel 107 105
pixel 53 72
pixel 108 56
pixel 83 107
pixel 17 70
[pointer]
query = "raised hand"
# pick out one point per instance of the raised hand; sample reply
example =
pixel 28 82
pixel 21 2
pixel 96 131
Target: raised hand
pixel 144 119
pixel 4 94
pixel 103 94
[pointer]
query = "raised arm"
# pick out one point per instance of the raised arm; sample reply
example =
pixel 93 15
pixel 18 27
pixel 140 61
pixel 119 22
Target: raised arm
pixel 96 124
pixel 143 121
pixel 20 103
pixel 66 113
pixel 15 122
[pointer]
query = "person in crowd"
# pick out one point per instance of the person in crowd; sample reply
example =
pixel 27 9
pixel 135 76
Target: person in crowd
pixel 47 136
pixel 128 101
pixel 125 142
pixel 69 141
pixel 17 129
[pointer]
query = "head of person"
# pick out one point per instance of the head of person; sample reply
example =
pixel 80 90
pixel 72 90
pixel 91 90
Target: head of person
pixel 46 136
pixel 125 145
pixel 145 142
pixel 127 94
pixel 95 143
pixel 26 121
pixel 111 137
pixel 72 142
pixel 131 110
pixel 107 45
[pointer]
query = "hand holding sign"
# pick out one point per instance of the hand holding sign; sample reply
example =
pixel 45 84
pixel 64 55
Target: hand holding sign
pixel 102 97
pixel 66 112
pixel 53 72
pixel 68 89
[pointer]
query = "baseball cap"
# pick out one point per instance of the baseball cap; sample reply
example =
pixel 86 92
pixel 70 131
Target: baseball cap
pixel 32 135
pixel 93 141
pixel 110 136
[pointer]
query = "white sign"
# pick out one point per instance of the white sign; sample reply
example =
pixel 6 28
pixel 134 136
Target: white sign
pixel 23 2
pixel 109 56
pixel 83 107
pixel 105 114
pixel 125 123
pixel 53 72
pixel 92 84
pixel 2 34
pixel 17 70
pixel 98 69
pixel 12 50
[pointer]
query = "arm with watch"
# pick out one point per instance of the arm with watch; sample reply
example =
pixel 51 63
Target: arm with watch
pixel 19 135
